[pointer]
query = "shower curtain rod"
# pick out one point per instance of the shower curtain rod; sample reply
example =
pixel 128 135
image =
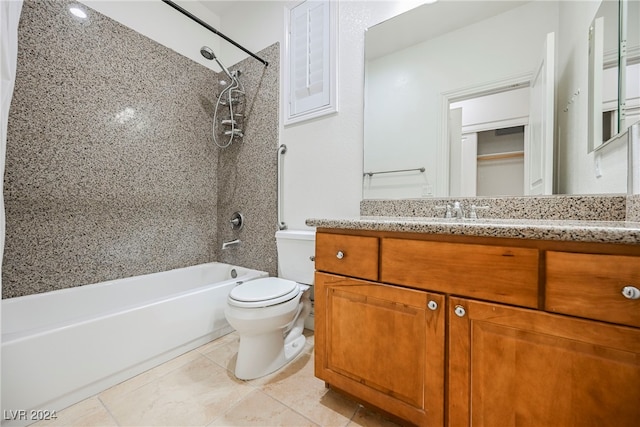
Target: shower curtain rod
pixel 213 30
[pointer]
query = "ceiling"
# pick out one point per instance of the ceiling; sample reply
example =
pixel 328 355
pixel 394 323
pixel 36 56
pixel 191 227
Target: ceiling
pixel 429 21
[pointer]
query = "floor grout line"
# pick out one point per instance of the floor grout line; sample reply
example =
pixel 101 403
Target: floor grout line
pixel 106 408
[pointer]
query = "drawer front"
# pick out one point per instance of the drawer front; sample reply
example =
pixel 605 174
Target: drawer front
pixel 355 256
pixel 494 273
pixel 590 285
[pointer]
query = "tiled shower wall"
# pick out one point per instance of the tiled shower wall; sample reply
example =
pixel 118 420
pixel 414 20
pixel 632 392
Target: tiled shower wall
pixel 111 171
pixel 247 170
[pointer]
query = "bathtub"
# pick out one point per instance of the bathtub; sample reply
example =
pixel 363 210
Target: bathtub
pixel 63 346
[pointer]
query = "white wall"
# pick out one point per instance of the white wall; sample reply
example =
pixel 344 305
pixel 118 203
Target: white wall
pixel 492 173
pixel 483 112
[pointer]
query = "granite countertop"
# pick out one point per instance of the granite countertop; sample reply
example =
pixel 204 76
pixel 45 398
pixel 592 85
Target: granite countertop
pixel 566 230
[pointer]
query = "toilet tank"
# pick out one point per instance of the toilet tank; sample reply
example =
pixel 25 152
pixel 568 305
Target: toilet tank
pixel 295 249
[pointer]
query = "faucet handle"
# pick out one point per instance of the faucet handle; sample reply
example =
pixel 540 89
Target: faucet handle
pixel 447 214
pixel 458 211
pixel 237 221
pixel 473 214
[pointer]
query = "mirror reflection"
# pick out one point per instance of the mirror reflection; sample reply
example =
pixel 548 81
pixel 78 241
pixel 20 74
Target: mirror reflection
pixel 466 106
pixel 613 73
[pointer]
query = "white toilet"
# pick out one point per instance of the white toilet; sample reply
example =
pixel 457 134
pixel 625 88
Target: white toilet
pixel 269 313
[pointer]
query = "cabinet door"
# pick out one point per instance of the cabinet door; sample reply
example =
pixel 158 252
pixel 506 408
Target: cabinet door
pixel 382 344
pixel 519 367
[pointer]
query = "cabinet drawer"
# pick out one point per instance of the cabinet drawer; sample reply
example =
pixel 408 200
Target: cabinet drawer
pixel 494 273
pixel 590 285
pixel 355 256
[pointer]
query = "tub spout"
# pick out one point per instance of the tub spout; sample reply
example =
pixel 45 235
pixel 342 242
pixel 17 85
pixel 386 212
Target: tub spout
pixel 235 242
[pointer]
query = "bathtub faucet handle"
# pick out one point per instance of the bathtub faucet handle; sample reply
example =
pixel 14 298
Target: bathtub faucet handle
pixel 237 221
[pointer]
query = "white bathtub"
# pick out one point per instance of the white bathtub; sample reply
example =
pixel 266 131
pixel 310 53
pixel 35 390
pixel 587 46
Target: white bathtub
pixel 63 346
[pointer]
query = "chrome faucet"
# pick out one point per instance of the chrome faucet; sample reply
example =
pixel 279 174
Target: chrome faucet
pixel 458 212
pixel 235 242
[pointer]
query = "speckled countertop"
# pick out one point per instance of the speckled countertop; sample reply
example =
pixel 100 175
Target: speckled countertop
pixel 566 230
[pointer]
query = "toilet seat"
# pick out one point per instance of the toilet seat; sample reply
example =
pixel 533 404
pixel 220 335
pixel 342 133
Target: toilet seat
pixel 264 292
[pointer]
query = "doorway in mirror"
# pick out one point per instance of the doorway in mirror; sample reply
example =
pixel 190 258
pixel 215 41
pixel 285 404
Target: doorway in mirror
pixel 487 139
pixel 527 103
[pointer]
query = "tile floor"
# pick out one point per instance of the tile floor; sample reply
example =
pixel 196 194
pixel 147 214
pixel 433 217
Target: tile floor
pixel 199 389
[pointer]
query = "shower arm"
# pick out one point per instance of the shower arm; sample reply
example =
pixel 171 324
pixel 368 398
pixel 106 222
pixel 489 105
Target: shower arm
pixel 281 150
pixel 213 30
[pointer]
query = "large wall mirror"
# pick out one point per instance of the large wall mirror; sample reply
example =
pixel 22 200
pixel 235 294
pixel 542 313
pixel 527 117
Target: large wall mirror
pixel 614 71
pixel 481 98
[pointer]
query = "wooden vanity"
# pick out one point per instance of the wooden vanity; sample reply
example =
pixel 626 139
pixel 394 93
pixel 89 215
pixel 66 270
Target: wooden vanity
pixel 438 329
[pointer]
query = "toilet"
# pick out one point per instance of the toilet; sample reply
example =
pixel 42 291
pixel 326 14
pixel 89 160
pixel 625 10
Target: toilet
pixel 269 313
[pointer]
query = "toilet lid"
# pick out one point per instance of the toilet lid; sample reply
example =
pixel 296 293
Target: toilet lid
pixel 269 289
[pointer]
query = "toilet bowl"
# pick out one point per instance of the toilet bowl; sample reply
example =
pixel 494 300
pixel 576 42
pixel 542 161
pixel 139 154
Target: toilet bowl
pixel 269 313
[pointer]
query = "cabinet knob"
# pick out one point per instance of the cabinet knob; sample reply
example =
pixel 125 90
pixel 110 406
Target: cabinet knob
pixel 460 311
pixel 340 255
pixel 631 292
pixel 432 305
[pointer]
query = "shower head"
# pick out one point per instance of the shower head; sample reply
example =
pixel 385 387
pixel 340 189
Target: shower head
pixel 207 52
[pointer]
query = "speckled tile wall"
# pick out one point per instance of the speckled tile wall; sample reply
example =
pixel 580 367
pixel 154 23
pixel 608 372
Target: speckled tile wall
pixel 247 169
pixel 110 170
pixel 633 208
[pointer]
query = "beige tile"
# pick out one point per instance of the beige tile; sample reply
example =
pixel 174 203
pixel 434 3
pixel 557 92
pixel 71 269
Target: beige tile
pixel 194 394
pixel 228 339
pixel 367 418
pixel 144 378
pixel 224 355
pixel 298 388
pixel 88 413
pixel 258 409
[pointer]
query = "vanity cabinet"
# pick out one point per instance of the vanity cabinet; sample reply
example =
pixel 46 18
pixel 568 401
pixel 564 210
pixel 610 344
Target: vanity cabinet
pixel 509 366
pixel 465 331
pixel 382 344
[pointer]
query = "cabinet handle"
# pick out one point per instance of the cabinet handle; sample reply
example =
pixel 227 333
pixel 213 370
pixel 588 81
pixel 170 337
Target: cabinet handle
pixel 631 292
pixel 460 311
pixel 340 255
pixel 432 305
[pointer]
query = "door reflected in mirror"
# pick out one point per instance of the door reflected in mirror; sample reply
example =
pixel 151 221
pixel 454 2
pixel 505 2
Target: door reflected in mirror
pixel 489 158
